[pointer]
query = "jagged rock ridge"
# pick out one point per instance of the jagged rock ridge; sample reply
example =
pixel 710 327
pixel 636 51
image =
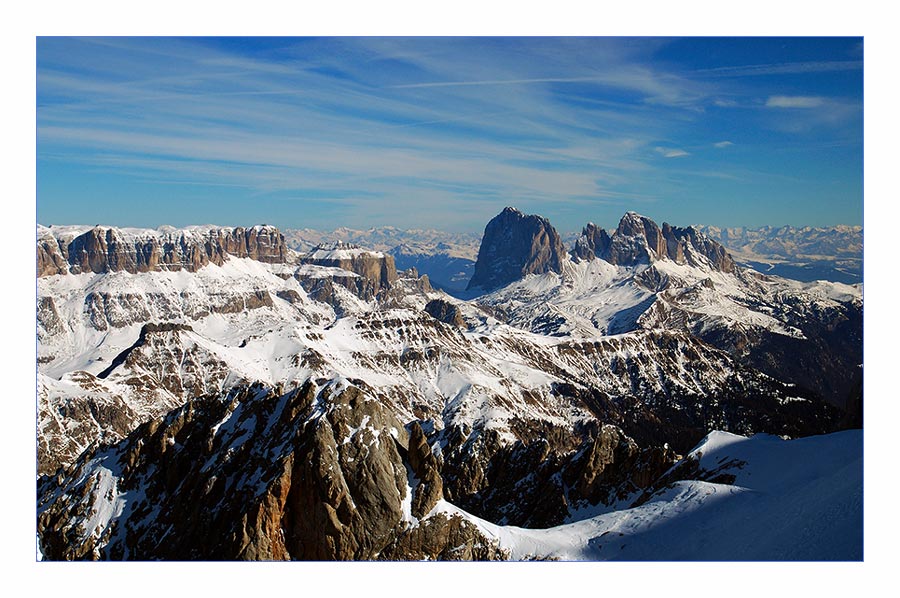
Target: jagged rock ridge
pixel 639 240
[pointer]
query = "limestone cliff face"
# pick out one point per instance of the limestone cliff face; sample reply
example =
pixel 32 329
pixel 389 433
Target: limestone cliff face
pixel 515 245
pixel 372 273
pixel 105 249
pixel 639 240
pixel 51 257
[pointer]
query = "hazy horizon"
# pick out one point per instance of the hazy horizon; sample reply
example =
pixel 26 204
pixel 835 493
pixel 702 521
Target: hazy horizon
pixel 363 228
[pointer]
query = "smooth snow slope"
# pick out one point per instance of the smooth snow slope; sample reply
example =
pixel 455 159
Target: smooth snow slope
pixel 792 500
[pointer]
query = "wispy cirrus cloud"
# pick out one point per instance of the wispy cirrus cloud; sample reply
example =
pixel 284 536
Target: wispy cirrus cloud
pixel 786 68
pixel 723 144
pixel 670 152
pixel 795 102
pixel 338 126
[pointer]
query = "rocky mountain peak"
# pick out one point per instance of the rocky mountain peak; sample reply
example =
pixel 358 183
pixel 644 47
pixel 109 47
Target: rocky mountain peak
pixel 515 245
pixel 594 241
pixel 639 240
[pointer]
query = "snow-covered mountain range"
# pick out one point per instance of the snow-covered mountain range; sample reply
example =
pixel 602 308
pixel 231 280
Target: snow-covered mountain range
pixel 216 388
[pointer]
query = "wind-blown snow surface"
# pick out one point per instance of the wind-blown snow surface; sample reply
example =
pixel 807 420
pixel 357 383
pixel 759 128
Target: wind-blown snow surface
pixel 792 500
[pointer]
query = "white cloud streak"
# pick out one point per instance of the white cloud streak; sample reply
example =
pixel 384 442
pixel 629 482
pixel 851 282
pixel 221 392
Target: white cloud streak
pixel 668 152
pixel 794 102
pixel 786 68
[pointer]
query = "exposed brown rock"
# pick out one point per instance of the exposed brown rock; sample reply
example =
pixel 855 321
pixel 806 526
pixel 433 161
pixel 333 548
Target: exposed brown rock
pixel 594 241
pixel 537 481
pixel 50 257
pixel 48 316
pixel 430 488
pixel 443 538
pixel 375 272
pixel 446 312
pixel 614 467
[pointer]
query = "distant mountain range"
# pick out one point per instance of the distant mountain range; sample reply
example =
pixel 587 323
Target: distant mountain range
pixel 800 253
pixel 828 253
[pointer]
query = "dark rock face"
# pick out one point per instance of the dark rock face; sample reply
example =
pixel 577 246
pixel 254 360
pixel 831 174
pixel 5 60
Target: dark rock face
pixel 536 481
pixel 445 312
pixel 639 240
pixel 515 245
pixel 691 238
pixel 613 467
pixel 826 360
pixel 426 468
pixel 440 538
pixel 103 249
pixel 594 241
pixel 313 474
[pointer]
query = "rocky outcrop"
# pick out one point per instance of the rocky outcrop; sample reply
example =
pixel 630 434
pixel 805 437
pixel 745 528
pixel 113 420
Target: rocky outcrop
pixel 104 249
pixel 613 467
pixel 445 312
pixel 106 310
pixel 164 358
pixel 51 256
pixel 162 369
pixel 444 538
pixel 639 240
pixel 316 473
pixel 48 318
pixel 430 487
pixel 593 242
pixel 515 245
pixel 373 272
pixel 68 423
pixel 540 480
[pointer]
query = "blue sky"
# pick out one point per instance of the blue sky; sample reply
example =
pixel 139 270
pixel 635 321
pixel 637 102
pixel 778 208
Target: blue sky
pixel 444 132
